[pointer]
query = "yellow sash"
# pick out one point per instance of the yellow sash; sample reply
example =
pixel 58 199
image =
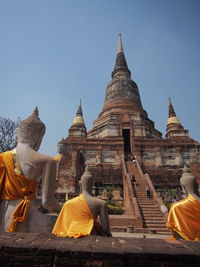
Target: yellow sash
pixel 184 218
pixel 13 187
pixel 75 219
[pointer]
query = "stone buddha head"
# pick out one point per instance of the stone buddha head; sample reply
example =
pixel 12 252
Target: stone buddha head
pixel 87 180
pixel 188 181
pixel 31 130
pixel 61 147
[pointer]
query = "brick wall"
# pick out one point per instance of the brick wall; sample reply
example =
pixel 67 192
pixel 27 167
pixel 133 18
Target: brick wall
pixel 45 250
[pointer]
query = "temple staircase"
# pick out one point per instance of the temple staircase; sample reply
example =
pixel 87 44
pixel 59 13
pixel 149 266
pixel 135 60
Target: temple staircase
pixel 153 219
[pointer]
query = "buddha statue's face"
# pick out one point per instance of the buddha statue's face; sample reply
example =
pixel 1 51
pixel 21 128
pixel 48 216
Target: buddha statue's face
pixel 61 148
pixel 38 143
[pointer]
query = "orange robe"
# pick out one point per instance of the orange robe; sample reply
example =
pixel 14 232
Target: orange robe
pixel 184 218
pixel 13 187
pixel 75 219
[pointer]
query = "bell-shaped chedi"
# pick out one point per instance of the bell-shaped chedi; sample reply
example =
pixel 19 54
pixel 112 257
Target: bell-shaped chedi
pixel 122 105
pixel 174 127
pixel 78 128
pixel 122 92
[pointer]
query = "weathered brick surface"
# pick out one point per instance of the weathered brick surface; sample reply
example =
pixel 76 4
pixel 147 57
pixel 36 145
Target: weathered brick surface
pixel 45 250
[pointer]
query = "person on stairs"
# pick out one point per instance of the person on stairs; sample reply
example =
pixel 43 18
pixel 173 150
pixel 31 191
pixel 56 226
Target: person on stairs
pixel 148 191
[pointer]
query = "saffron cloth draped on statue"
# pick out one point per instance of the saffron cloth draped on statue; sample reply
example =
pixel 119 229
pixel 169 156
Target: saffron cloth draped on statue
pixel 184 218
pixel 15 186
pixel 75 219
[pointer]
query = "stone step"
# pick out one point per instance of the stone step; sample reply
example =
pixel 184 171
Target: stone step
pixel 146 203
pixel 151 225
pixel 153 218
pixel 155 222
pixel 143 202
pixel 152 230
pixel 157 218
pixel 149 215
pixel 142 205
pixel 149 208
pixel 141 192
pixel 152 215
pixel 145 199
pixel 151 211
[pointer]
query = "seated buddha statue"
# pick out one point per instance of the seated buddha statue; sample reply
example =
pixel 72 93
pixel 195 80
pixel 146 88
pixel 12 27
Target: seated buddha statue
pixel 61 150
pixel 184 215
pixel 20 173
pixel 78 216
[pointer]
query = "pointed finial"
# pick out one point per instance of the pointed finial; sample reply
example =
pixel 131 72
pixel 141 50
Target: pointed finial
pixel 172 115
pixel 78 120
pixel 171 109
pixel 35 112
pixel 79 110
pixel 120 47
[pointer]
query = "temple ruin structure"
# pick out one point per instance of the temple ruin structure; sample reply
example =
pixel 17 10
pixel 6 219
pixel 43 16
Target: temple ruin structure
pixel 123 130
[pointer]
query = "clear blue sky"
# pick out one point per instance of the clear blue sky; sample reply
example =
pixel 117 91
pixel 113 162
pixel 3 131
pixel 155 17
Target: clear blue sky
pixel 55 52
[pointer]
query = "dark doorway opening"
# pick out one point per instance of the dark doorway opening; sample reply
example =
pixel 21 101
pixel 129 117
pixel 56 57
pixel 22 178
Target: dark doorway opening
pixel 127 144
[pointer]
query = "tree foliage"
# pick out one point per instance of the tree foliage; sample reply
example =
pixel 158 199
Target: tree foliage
pixel 8 138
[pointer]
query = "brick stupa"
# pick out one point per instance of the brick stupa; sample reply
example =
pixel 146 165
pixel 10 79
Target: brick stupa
pixel 123 128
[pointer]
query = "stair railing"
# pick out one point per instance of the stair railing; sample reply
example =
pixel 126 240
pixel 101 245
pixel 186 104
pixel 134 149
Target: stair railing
pixel 157 199
pixel 130 201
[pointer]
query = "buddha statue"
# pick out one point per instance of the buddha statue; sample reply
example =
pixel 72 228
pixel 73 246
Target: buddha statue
pixel 21 171
pixel 184 215
pixel 61 150
pixel 78 216
pixel 189 184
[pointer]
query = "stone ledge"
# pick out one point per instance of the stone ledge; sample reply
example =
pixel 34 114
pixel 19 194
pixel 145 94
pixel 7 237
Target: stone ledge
pixel 45 250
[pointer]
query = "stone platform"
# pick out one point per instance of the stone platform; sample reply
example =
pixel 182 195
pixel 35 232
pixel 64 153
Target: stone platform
pixel 45 250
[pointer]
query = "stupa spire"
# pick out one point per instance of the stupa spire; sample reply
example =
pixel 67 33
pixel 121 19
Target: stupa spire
pixel 172 115
pixel 79 110
pixel 78 128
pixel 79 120
pixel 120 47
pixel 171 109
pixel 121 66
pixel 174 127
